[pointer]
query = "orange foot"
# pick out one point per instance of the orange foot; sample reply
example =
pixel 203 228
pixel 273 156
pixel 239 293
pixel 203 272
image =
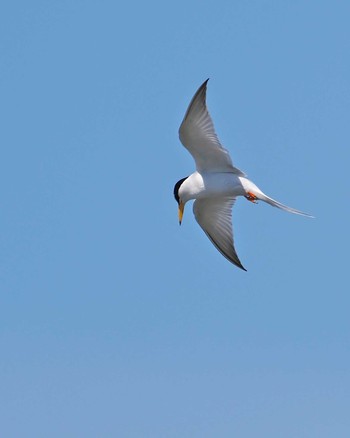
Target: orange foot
pixel 251 197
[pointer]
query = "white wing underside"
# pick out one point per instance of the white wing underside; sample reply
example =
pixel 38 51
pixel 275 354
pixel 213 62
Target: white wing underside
pixel 214 215
pixel 198 135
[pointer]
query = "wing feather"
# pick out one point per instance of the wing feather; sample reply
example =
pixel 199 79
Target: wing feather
pixel 197 134
pixel 214 215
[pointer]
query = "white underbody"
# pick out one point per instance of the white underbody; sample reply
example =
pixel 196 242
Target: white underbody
pixel 213 184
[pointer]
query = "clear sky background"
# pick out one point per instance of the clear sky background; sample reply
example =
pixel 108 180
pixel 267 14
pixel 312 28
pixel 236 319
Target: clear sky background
pixel 115 321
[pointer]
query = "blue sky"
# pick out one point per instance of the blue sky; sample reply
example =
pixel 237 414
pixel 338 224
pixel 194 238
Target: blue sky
pixel 116 322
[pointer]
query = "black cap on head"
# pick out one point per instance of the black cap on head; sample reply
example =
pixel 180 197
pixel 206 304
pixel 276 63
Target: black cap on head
pixel 177 187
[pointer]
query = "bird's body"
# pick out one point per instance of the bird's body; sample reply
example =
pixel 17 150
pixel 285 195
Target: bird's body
pixel 201 185
pixel 216 183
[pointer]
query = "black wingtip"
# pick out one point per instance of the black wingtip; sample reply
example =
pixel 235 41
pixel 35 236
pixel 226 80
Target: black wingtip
pixel 203 86
pixel 236 262
pixel 239 265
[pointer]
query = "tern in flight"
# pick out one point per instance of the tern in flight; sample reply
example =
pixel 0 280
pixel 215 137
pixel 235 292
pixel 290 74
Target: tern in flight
pixel 216 183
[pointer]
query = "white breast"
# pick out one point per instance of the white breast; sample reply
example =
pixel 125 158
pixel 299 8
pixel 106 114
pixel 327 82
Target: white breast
pixel 211 184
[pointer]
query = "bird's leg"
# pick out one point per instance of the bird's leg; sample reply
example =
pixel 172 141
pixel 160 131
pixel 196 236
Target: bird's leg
pixel 251 197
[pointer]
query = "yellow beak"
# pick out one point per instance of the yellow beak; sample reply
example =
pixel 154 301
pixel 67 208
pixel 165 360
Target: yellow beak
pixel 181 211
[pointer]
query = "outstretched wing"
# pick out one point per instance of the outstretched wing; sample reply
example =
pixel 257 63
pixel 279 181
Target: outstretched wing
pixel 214 215
pixel 198 135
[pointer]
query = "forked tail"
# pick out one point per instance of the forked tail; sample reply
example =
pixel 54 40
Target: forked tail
pixel 277 204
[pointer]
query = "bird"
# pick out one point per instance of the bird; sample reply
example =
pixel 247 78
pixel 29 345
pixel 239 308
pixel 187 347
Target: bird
pixel 216 183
